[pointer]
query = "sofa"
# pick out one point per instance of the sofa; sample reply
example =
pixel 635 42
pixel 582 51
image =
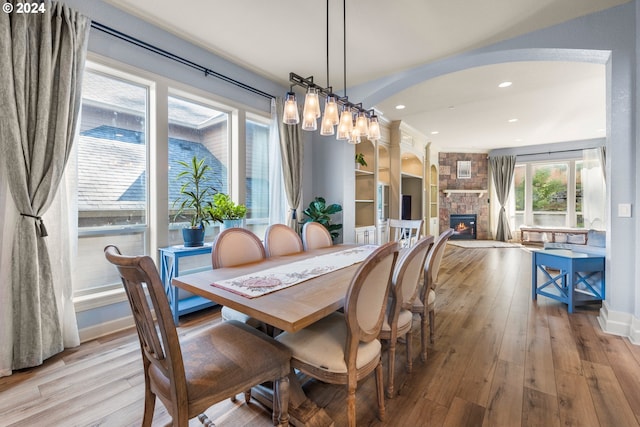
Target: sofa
pixel 593 242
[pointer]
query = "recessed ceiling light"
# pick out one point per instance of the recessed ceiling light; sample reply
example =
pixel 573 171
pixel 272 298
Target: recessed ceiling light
pixel 400 107
pixel 505 84
pixel 513 120
pixel 435 132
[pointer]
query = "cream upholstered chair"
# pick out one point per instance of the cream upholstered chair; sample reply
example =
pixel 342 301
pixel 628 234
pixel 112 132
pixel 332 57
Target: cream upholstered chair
pixel 399 318
pixel 404 231
pixel 237 246
pixel 280 239
pixel 315 236
pixel 191 374
pixel 425 303
pixel 344 348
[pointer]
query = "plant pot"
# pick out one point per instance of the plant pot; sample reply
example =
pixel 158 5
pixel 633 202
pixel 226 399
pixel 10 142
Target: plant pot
pixel 231 223
pixel 193 237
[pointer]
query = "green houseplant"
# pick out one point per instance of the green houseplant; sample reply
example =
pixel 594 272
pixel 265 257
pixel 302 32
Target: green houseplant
pixel 360 160
pixel 226 211
pixel 194 202
pixel 319 211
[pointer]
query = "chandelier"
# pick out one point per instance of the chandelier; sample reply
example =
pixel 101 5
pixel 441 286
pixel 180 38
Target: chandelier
pixel 352 120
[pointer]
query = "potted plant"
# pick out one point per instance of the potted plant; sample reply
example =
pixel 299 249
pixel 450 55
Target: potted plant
pixel 360 161
pixel 318 211
pixel 195 198
pixel 226 211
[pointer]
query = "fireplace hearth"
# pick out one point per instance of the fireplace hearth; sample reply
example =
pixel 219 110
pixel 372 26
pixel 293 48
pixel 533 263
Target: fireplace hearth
pixel 464 226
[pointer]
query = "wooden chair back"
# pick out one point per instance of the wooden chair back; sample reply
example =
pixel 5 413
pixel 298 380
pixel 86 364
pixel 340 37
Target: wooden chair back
pixel 158 337
pixel 280 239
pixel 315 236
pixel 366 299
pixel 432 264
pixel 236 246
pixel 406 276
pixel 406 232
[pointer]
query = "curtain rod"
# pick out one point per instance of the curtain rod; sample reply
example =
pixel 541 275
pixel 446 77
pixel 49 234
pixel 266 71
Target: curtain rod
pixel 207 71
pixel 554 152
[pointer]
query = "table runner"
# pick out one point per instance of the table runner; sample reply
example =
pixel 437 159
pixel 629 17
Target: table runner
pixel 259 283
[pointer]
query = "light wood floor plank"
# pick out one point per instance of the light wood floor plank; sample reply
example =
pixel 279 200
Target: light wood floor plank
pixel 505 402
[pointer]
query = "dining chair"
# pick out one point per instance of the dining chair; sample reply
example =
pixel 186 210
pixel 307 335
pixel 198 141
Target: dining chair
pixel 315 236
pixel 343 348
pixel 425 303
pixel 193 373
pixel 237 246
pixel 399 318
pixel 405 231
pixel 280 239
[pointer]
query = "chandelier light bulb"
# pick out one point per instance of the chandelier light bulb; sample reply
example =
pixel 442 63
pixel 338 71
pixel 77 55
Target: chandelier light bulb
pixel 327 126
pixel 290 114
pixel 312 103
pixel 309 120
pixel 345 126
pixel 362 125
pixel 374 128
pixel 331 110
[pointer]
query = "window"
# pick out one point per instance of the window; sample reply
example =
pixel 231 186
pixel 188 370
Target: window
pixel 196 130
pixel 257 171
pixel 519 182
pixel 112 173
pixel 549 194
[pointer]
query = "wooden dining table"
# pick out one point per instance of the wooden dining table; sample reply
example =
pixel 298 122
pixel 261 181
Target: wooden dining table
pixel 290 309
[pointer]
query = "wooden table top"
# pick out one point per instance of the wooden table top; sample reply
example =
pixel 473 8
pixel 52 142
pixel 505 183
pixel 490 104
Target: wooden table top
pixel 289 309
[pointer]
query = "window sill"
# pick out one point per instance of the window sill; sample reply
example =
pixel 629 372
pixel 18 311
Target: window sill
pixel 99 299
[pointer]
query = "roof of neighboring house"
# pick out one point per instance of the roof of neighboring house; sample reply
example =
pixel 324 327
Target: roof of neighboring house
pixel 112 165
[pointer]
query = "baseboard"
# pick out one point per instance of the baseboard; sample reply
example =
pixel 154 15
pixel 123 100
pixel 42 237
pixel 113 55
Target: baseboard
pixel 105 328
pixel 619 323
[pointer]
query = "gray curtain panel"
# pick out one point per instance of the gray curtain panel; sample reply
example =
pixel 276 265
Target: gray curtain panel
pixel 292 150
pixel 43 57
pixel 502 169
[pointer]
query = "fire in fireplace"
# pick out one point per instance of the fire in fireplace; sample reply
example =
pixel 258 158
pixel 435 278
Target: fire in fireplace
pixel 464 226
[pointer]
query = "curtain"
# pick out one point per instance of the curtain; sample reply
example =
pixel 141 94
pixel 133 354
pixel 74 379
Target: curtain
pixel 277 199
pixel 502 169
pixel 602 154
pixel 8 217
pixel 43 60
pixel 593 189
pixel 292 152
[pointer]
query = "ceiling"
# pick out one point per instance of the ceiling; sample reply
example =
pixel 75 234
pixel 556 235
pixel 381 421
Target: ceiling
pixel 552 101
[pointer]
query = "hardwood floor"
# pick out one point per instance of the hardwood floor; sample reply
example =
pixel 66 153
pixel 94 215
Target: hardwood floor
pixel 499 359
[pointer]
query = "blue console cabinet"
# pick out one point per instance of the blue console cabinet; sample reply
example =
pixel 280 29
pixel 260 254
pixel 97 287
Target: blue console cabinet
pixel 170 268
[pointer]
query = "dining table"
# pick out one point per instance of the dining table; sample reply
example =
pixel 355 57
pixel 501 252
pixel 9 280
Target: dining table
pixel 289 309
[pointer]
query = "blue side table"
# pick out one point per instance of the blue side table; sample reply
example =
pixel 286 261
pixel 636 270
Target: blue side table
pixel 170 268
pixel 580 276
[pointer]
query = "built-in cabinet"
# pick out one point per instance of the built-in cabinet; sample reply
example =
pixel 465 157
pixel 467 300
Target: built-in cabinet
pixel 365 194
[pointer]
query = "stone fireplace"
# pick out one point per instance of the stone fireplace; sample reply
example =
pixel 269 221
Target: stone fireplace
pixel 471 196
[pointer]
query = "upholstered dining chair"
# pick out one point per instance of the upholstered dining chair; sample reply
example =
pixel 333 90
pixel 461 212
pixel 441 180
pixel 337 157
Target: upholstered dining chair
pixel 425 303
pixel 315 236
pixel 237 246
pixel 399 318
pixel 191 374
pixel 280 239
pixel 404 231
pixel 343 348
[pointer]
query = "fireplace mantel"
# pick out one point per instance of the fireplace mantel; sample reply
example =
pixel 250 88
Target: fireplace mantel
pixel 480 193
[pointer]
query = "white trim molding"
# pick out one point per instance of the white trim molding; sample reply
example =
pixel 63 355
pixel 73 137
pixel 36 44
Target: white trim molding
pixel 619 323
pixel 105 328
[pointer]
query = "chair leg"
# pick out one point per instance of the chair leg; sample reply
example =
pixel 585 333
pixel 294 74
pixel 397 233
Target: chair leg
pixel 205 421
pixel 380 393
pixel 432 322
pixel 281 402
pixel 409 338
pixel 423 336
pixel 149 406
pixel 351 403
pixel 391 365
pixel 247 396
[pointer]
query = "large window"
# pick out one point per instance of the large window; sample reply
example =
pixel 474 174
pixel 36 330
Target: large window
pixel 568 193
pixel 257 171
pixel 549 194
pixel 112 174
pixel 202 131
